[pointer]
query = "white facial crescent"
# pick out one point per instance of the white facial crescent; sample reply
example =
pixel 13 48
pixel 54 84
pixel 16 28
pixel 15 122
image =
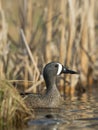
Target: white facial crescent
pixel 59 68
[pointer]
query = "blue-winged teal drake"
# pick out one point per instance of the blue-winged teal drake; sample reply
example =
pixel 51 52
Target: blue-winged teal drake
pixel 52 98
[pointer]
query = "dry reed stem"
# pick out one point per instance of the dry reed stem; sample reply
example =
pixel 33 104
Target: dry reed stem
pixel 11 81
pixel 92 42
pixel 26 73
pixel 72 32
pixel 17 69
pixel 34 86
pixel 62 43
pixel 28 28
pixel 84 44
pixel 30 54
pixel 72 29
pixel 49 32
pixel 3 42
pixel 91 26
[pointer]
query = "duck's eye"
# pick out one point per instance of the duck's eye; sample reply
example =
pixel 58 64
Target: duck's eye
pixel 56 65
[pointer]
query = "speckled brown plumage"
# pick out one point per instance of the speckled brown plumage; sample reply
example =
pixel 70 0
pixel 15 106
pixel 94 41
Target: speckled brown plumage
pixel 51 99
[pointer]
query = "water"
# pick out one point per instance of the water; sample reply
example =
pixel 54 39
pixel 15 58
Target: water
pixel 78 113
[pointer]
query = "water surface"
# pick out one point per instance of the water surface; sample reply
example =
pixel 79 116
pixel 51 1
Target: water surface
pixel 78 113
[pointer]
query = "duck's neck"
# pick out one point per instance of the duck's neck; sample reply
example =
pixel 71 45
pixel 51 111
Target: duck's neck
pixel 50 83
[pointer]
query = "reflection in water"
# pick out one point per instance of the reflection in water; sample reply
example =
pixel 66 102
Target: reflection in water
pixel 78 113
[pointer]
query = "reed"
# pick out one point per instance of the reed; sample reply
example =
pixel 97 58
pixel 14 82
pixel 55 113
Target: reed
pixel 13 110
pixel 49 32
pixel 64 31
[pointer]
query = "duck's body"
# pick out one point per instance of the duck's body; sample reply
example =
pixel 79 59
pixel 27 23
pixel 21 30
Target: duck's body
pixel 52 98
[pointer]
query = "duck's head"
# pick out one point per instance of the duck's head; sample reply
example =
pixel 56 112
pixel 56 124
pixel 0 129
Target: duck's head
pixel 53 69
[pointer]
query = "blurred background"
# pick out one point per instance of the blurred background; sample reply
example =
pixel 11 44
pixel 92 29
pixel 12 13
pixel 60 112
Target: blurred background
pixel 35 32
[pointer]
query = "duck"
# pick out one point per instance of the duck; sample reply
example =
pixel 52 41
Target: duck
pixel 52 97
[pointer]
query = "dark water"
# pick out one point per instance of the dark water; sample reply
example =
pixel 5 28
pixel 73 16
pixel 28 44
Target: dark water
pixel 78 113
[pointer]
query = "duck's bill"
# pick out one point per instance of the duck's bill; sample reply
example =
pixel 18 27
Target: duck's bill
pixel 67 71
